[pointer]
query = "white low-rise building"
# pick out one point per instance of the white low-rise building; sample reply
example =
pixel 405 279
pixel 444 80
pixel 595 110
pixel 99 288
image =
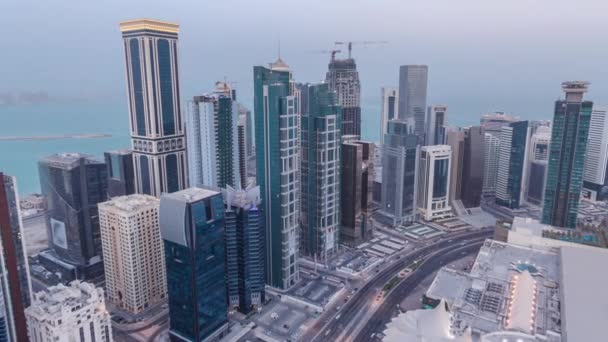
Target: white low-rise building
pixel 69 313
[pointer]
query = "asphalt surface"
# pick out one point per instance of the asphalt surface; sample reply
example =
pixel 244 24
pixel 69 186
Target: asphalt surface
pixel 366 294
pixel 389 308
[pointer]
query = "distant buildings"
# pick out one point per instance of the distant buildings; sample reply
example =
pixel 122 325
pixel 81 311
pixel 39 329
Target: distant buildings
pixel 69 313
pixel 412 95
pixel 157 132
pixel 15 286
pixel 399 167
pixel 278 169
pixel 436 120
pixel 192 224
pixel 320 169
pixel 567 156
pixel 213 142
pixel 343 78
pixel 358 175
pixel 133 257
pixel 490 164
pixel 512 164
pixel 121 179
pixel 434 182
pixel 472 166
pixel 72 185
pixel 596 160
pixel 245 252
pixel 492 123
pixel 537 171
pixel 390 103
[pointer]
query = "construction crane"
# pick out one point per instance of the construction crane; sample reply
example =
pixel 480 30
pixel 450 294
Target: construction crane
pixel 361 42
pixel 332 52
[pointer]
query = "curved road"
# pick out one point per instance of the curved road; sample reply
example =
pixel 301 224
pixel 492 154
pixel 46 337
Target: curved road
pixel 389 307
pixel 362 298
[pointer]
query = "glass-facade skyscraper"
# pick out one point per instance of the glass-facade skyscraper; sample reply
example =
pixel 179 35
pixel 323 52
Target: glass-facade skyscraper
pixel 276 107
pixel 15 286
pixel 412 95
pixel 512 164
pixel 192 225
pixel 72 185
pixel 157 132
pixel 473 160
pixel 569 134
pixel 320 187
pixel 121 180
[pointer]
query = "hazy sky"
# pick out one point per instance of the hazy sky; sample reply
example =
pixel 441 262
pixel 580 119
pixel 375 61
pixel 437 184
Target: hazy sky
pixel 483 55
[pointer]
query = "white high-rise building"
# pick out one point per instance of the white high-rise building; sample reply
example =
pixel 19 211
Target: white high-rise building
pixel 133 252
pixel 434 182
pixel 390 108
pixel 490 165
pixel 436 119
pixel 596 159
pixel 212 139
pixel 69 313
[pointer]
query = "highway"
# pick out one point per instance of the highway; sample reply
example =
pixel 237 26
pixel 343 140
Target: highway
pixel 340 322
pixel 388 308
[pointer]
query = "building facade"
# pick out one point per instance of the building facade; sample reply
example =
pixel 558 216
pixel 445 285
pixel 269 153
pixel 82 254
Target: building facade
pixel 455 138
pixel 343 78
pixel 492 123
pixel 69 313
pixel 212 139
pixel 412 95
pixel 192 225
pixel 390 108
pixel 358 174
pixel 472 167
pixel 567 156
pixel 276 107
pixel 320 166
pixel 399 167
pixel 512 164
pixel 434 182
pixel 15 285
pixel 157 130
pixel 245 258
pixel 596 160
pixel 72 185
pixel 121 179
pixel 537 169
pixel 436 120
pixel 133 257
pixel 490 164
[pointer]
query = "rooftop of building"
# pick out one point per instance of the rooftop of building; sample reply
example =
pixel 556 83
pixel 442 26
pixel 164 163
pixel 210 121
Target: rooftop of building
pixel 53 299
pixel 191 195
pixel 69 160
pixel 130 203
pixel 148 24
pixel 243 198
pixel 122 152
pixel 279 65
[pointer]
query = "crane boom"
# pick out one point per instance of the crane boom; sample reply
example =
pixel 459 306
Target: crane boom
pixel 360 42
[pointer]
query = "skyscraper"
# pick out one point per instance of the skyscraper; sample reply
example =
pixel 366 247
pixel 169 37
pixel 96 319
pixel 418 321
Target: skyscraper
pixel 492 123
pixel 320 169
pixel 242 148
pixel 357 175
pixel 278 169
pixel 134 261
pixel 455 138
pixel 472 167
pixel 15 286
pixel 157 132
pixel 596 160
pixel 192 225
pixel 69 313
pixel 538 156
pixel 512 163
pixel 245 259
pixel 121 180
pixel 490 164
pixel 399 168
pixel 390 103
pixel 567 156
pixel 412 95
pixel 434 182
pixel 436 120
pixel 72 185
pixel 212 139
pixel 343 78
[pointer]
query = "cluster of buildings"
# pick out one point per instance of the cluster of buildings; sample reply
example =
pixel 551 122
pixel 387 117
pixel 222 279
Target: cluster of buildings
pixel 181 219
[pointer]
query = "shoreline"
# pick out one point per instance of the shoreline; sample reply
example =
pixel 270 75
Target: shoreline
pixel 56 137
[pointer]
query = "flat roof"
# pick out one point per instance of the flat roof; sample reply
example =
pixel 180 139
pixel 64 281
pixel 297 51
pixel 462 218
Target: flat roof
pixel 190 195
pixel 148 24
pixel 584 303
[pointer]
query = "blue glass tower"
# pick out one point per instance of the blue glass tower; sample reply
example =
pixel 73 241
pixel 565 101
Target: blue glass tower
pixel 192 224
pixel 514 139
pixel 157 133
pixel 567 156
